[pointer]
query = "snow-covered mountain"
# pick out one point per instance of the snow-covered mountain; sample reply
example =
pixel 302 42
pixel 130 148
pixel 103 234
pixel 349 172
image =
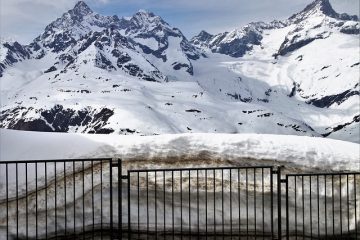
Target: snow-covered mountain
pixel 139 75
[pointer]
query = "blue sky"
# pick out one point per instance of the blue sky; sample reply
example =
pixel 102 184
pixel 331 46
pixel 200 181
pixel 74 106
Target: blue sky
pixel 23 20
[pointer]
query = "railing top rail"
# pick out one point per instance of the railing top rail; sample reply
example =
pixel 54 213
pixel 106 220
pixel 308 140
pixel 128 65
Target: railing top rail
pixel 200 169
pixel 321 174
pixel 56 160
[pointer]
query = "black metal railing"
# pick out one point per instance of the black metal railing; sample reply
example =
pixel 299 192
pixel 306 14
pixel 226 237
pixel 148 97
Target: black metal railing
pixel 202 203
pixel 56 199
pixel 323 206
pixel 90 198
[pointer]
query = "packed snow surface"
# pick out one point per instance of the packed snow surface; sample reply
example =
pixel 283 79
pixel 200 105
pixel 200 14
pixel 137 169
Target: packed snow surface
pixel 320 153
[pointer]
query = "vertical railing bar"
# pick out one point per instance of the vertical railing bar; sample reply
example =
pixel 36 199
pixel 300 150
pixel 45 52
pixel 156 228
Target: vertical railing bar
pixel 26 201
pixel 101 199
pixel 271 202
pixel 333 203
pixel 156 233
pixel 287 207
pixel 206 204
pixel 214 203
pixel 17 204
pixel 74 198
pixel 189 206
pixel 181 204
pixel 325 207
pixel 231 217
pixel 172 205
pixel 129 204
pixel 198 204
pixel 55 200
pixel 138 203
pixel 239 200
pixel 311 229
pixel 341 222
pixel 83 199
pixel 295 191
pixel 222 201
pixel 247 204
pixel 303 204
pixel 356 228
pixel 279 200
pixel 65 208
pixel 119 199
pixel 92 200
pixel 7 199
pixel 46 203
pixel 348 204
pixel 318 204
pixel 263 202
pixel 164 183
pixel 147 205
pixel 255 201
pixel 36 200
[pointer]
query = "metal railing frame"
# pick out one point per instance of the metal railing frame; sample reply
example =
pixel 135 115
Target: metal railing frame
pixel 277 185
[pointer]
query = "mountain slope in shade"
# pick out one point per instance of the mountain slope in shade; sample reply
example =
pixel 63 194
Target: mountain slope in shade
pixel 139 75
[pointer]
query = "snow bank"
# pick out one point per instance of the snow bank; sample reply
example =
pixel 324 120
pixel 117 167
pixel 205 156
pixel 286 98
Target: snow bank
pixel 255 149
pixel 155 151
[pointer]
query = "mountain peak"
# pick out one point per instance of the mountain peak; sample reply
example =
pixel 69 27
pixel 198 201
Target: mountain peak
pixel 320 7
pixel 204 33
pixel 203 36
pixel 323 5
pixel 81 8
pixel 145 13
pixel 145 18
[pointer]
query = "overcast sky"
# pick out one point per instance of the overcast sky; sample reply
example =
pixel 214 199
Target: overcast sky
pixel 23 20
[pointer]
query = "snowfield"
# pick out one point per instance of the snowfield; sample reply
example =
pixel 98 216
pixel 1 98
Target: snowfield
pixel 141 76
pixel 199 149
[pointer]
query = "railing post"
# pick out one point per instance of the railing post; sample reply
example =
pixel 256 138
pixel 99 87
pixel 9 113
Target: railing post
pixel 119 199
pixel 287 206
pixel 111 199
pixel 279 200
pixel 129 210
pixel 278 182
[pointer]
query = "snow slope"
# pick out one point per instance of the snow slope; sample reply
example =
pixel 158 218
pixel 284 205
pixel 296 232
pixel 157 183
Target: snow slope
pixel 90 73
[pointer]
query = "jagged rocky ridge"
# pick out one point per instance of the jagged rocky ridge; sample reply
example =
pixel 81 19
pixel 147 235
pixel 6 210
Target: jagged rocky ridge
pixel 80 29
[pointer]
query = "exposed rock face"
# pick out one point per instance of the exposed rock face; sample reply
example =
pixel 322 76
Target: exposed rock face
pixel 235 43
pixel 57 119
pixel 327 101
pixel 13 52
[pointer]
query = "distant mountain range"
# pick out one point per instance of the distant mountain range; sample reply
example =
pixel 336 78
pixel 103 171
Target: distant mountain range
pixel 138 75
